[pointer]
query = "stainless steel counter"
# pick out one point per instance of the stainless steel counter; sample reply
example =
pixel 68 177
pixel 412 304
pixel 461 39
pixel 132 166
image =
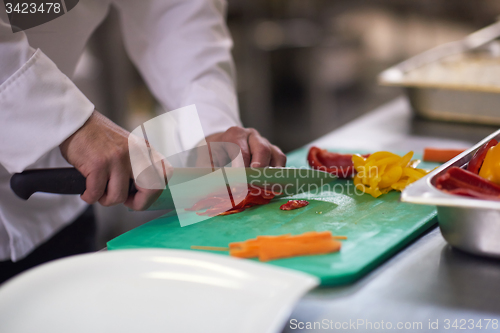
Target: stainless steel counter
pixel 427 283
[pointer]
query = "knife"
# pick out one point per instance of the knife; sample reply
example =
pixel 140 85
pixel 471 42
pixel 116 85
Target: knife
pixel 57 180
pixel 71 181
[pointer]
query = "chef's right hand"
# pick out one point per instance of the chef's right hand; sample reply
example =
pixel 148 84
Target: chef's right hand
pixel 99 150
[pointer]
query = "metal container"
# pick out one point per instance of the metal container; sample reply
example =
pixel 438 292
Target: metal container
pixel 460 100
pixel 472 225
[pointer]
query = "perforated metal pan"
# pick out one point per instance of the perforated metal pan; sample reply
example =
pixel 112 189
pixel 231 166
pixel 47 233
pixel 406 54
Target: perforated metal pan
pixel 472 225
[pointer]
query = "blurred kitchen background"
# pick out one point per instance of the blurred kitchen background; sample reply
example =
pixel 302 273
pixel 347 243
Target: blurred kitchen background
pixel 305 67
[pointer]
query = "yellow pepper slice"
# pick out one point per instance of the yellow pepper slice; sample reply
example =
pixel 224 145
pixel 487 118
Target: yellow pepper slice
pixel 358 161
pixel 384 171
pixel 391 176
pixel 412 173
pixel 400 185
pixel 491 166
pixel 406 159
pixel 387 161
pixel 379 155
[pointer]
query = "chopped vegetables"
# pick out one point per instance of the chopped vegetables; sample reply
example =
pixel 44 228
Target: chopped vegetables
pixel 383 171
pixel 440 155
pixel 218 202
pixel 285 246
pixel 490 168
pixel 334 163
pixel 294 204
pixel 477 160
pixel 481 179
pixel 462 182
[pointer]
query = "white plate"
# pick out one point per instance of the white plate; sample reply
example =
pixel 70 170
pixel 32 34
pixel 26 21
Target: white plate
pixel 151 291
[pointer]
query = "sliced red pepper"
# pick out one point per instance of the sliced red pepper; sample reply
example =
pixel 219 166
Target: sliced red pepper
pixel 218 208
pixel 254 200
pixel 473 194
pixel 232 211
pixel 462 182
pixel 268 194
pixel 294 204
pixel 477 160
pixel 337 164
pixel 206 203
pixel 217 202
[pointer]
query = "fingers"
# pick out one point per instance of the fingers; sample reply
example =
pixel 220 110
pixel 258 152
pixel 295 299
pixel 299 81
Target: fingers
pixel 240 136
pixel 100 151
pixel 278 158
pixel 95 186
pixel 143 199
pixel 118 187
pixel 219 156
pixel 260 150
pixel 255 149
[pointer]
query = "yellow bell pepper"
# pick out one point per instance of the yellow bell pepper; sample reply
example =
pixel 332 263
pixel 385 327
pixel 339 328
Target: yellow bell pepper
pixel 491 165
pixel 391 176
pixel 384 171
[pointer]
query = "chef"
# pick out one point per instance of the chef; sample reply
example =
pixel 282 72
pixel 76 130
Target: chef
pixel 182 49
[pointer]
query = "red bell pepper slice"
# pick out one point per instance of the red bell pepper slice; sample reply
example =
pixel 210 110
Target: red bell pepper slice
pixel 337 164
pixel 294 204
pixel 465 192
pixel 253 200
pixel 213 211
pixel 206 203
pixel 462 182
pixel 477 160
pixel 232 211
pixel 218 201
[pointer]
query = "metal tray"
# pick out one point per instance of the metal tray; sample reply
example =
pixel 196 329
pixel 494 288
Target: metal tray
pixel 472 225
pixel 471 103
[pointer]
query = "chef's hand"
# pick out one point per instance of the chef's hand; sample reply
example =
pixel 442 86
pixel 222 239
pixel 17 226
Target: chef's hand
pixel 99 150
pixel 256 150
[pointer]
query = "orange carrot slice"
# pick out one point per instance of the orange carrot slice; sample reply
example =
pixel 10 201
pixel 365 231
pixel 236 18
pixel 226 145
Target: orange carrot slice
pixel 251 247
pixel 248 251
pixel 284 246
pixel 340 237
pixel 236 245
pixel 287 248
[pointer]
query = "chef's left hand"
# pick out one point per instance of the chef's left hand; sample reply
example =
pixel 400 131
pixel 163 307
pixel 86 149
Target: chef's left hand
pixel 256 150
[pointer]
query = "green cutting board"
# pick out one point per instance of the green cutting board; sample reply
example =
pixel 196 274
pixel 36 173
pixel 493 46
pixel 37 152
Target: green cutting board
pixel 376 228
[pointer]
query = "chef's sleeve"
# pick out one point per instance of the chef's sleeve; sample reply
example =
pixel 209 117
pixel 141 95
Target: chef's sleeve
pixel 183 50
pixel 39 106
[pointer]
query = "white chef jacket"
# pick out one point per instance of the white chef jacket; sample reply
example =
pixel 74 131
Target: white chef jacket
pixel 182 49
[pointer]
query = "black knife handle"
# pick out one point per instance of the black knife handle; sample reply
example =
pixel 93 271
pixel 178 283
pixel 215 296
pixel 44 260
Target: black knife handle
pixel 58 181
